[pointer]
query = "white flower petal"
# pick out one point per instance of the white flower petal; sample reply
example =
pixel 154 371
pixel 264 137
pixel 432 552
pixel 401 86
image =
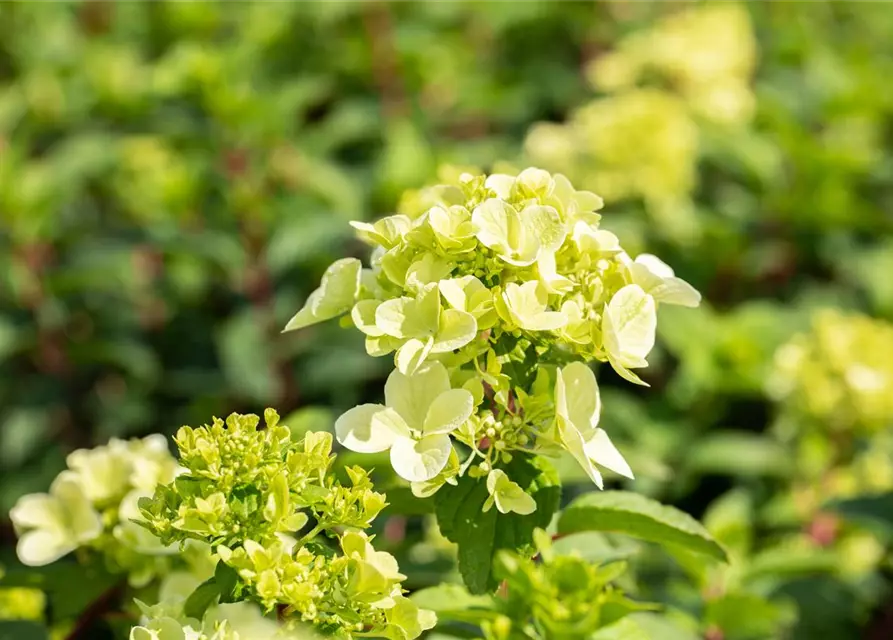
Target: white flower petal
pixel 42 546
pixel 82 521
pixel 629 324
pixel 457 329
pixel 358 430
pixel 449 410
pixel 600 449
pixel 412 354
pixel 36 511
pixel 573 442
pixel 655 265
pixel 420 460
pixel 411 395
pixel 580 398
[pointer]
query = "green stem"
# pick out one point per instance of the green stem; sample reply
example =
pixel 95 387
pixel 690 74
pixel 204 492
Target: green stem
pixel 311 534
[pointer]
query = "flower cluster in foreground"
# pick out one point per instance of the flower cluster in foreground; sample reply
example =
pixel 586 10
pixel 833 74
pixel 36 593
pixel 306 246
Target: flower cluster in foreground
pixel 288 535
pixel 493 293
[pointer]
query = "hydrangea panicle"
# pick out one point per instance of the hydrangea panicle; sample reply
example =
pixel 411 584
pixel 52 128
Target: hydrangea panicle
pixel 494 293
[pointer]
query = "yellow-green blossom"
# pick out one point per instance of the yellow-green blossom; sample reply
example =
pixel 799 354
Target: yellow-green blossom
pixel 477 287
pixel 92 504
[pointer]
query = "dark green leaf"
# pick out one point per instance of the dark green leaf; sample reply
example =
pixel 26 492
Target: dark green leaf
pixel 245 501
pixel 69 586
pixel 871 510
pixel 479 535
pixel 401 501
pixel 22 630
pixel 203 597
pixel 227 580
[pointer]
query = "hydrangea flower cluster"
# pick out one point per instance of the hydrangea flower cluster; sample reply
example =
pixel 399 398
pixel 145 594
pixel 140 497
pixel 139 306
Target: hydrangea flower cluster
pixel 91 506
pixel 250 493
pixel 664 85
pixel 639 143
pixel 708 53
pixel 168 619
pixel 840 373
pixel 492 293
pixel 232 621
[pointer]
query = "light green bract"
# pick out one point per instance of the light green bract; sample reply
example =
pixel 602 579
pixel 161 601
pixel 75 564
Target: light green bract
pixel 493 294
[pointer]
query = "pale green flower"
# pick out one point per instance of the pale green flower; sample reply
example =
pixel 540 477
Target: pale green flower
pixel 163 629
pixel 387 232
pixel 134 536
pixel 447 475
pixel 553 281
pixel 590 239
pixel 493 277
pixel 228 621
pixel 373 574
pixel 508 496
pixel 517 236
pixel 452 228
pixel 577 411
pixel 658 280
pixel 335 295
pixel 103 472
pixel 470 295
pixel 419 413
pixel 406 621
pixel 628 328
pixel 54 524
pixel 420 326
pixel 526 306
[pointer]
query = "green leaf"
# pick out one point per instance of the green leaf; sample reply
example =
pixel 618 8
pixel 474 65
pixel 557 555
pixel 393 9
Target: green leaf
pixel 246 356
pixel 871 510
pixel 640 517
pixel 453 602
pixel 783 563
pixel 738 453
pixel 69 586
pixel 227 580
pixel 596 547
pixel 10 338
pixel 480 535
pixel 624 629
pixel 22 630
pixel 746 616
pixel 663 626
pixel 312 418
pixel 616 606
pixel 402 502
pixel 203 597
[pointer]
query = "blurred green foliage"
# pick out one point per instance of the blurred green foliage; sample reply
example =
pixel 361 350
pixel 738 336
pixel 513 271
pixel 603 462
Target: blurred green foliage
pixel 174 177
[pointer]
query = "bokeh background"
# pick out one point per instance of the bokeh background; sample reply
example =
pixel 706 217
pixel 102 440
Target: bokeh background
pixel 175 177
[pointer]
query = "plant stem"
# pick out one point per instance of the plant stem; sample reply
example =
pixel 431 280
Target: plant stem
pixel 311 534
